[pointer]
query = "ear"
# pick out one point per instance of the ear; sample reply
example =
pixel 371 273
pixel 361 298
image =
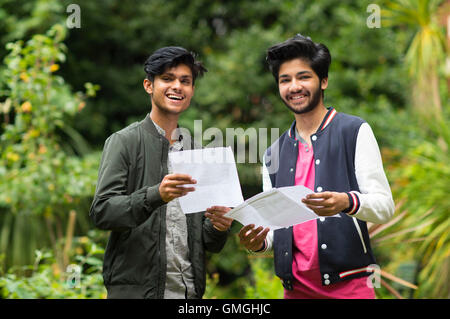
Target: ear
pixel 148 86
pixel 324 83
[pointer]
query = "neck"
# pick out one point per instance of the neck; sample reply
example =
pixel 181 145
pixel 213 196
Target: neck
pixel 167 122
pixel 308 123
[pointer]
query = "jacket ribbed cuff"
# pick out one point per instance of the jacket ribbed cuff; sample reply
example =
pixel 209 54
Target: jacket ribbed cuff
pixel 354 204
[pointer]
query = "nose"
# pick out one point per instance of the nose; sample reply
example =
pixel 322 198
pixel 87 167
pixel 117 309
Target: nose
pixel 295 86
pixel 176 85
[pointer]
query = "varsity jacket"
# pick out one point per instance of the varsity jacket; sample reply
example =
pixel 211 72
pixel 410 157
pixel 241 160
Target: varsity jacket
pixel 347 159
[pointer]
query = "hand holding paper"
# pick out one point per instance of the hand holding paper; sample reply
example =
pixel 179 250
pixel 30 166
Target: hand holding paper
pixel 326 203
pixel 217 218
pixel 172 186
pixel 276 208
pixel 214 170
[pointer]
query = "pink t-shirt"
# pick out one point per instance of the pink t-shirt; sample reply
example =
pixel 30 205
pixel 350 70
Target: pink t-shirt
pixel 305 264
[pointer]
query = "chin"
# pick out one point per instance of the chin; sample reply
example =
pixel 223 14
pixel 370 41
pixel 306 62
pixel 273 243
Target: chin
pixel 301 109
pixel 175 110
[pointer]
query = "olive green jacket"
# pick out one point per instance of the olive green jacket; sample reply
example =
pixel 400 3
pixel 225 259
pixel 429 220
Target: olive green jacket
pixel 127 202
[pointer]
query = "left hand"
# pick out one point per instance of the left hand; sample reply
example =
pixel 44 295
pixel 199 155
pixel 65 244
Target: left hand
pixel 327 203
pixel 215 215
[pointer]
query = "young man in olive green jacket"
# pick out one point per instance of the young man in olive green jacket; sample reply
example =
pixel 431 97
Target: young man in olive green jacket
pixel 154 250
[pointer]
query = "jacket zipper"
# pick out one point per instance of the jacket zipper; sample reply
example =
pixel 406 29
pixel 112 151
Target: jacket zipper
pixel 358 229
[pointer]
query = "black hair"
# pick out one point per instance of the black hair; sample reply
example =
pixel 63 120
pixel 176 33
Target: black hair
pixel 169 57
pixel 316 54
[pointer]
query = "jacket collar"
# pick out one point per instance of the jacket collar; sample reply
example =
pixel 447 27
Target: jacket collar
pixel 186 139
pixel 326 120
pixel 150 126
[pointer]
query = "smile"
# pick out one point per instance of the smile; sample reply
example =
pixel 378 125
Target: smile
pixel 297 97
pixel 175 97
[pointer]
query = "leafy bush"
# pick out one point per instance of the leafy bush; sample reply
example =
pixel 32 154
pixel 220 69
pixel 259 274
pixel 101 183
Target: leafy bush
pixel 41 183
pixel 81 279
pixel 265 285
pixel 420 179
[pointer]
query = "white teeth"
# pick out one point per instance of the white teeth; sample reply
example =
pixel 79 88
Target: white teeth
pixel 170 96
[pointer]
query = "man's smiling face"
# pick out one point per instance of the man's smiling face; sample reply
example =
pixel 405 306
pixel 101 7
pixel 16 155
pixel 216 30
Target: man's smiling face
pixel 299 86
pixel 172 91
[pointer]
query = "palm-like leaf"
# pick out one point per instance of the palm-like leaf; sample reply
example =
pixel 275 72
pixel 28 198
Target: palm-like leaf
pixel 427 50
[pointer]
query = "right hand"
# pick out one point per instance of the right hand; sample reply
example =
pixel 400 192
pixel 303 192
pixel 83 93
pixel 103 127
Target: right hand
pixel 171 186
pixel 253 238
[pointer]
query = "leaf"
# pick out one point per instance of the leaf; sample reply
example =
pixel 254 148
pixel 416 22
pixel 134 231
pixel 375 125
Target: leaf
pixel 94 261
pixel 397 280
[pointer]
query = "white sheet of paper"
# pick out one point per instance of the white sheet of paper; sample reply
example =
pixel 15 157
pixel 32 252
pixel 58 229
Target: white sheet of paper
pixel 276 208
pixel 215 171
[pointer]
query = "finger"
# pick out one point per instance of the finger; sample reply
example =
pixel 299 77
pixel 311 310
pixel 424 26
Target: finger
pixel 323 195
pixel 179 190
pixel 252 234
pixel 219 209
pixel 221 226
pixel 178 176
pixel 177 183
pixel 314 202
pixel 184 189
pixel 225 219
pixel 219 219
pixel 257 242
pixel 323 211
pixel 244 230
pixel 261 235
pixel 177 194
pixel 217 213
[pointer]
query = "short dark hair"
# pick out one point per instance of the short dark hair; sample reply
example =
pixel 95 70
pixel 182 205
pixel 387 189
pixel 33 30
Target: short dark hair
pixel 316 54
pixel 169 57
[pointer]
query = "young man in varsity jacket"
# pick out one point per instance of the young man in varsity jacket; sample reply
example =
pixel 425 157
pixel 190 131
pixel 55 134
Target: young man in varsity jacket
pixel 335 155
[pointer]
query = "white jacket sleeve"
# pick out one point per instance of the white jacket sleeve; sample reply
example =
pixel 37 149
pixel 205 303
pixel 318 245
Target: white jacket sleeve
pixel 374 201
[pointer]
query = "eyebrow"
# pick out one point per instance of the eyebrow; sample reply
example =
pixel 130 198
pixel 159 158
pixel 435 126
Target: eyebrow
pixel 172 74
pixel 299 73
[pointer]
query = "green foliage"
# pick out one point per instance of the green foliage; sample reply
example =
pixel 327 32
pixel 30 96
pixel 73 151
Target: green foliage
pixel 41 103
pixel 47 169
pixel 422 184
pixel 38 177
pixel 237 262
pixel 44 279
pixel 426 53
pixel 427 49
pixel 258 282
pixel 265 284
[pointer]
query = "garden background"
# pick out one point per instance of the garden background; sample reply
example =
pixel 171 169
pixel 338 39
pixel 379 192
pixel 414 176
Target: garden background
pixel 65 87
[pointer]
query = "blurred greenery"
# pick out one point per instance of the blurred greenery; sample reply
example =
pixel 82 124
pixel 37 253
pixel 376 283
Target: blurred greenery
pixel 43 279
pixel 41 179
pixel 64 91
